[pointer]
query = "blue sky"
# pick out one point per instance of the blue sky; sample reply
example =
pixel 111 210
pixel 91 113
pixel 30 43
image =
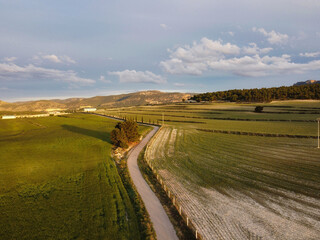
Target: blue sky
pixel 60 49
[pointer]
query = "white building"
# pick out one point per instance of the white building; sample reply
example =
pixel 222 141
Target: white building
pixel 89 109
pixel 9 117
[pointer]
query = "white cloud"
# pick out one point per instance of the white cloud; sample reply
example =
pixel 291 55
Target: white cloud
pixel 253 49
pixel 192 59
pixel 52 58
pixel 273 37
pixel 13 72
pixel 199 58
pixel 133 76
pixel 164 26
pixel 63 59
pixel 103 79
pixel 10 59
pixel 231 33
pixel 257 66
pixel 310 54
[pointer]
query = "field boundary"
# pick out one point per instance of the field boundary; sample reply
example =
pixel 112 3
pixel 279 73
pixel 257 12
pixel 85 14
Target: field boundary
pixel 226 118
pixel 256 134
pixel 174 199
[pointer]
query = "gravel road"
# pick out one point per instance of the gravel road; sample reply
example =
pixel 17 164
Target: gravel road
pixel 161 223
pixel 160 220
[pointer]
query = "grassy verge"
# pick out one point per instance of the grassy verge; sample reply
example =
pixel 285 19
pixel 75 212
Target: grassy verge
pixel 183 232
pixel 145 226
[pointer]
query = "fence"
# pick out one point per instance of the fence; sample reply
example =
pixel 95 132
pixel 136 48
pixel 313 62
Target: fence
pixel 171 196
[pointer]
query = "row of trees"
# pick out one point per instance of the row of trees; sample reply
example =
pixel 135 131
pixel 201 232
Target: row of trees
pixel 125 133
pixel 311 91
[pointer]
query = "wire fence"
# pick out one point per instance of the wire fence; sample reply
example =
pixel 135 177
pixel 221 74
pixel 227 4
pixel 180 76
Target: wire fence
pixel 175 201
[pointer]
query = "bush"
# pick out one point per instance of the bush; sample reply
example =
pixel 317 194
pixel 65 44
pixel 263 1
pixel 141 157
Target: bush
pixel 124 133
pixel 258 109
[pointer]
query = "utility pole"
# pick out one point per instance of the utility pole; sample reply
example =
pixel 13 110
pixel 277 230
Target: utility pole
pixel 318 132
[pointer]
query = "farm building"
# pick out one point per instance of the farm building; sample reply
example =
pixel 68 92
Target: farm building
pixel 33 115
pixel 89 109
pixel 9 117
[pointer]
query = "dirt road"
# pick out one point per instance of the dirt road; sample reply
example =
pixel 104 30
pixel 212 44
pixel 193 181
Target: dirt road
pixel 159 218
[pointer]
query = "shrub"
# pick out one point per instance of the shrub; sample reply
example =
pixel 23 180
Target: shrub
pixel 258 109
pixel 124 133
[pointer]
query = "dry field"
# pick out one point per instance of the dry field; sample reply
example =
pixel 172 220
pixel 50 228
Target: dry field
pixel 242 187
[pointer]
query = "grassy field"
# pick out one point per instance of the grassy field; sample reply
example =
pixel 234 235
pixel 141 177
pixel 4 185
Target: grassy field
pixel 283 119
pixel 57 181
pixel 234 186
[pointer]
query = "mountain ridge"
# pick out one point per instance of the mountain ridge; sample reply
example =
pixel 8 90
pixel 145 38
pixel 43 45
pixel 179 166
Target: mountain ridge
pixel 308 82
pixel 121 100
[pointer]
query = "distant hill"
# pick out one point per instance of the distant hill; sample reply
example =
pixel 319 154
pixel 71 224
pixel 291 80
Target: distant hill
pixel 2 103
pixel 122 100
pixel 308 82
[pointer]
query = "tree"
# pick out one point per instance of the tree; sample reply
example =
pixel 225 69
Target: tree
pixel 131 129
pixel 125 133
pixel 119 138
pixel 258 109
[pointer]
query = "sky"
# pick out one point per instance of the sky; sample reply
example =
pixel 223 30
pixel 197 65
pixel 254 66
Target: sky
pixel 77 48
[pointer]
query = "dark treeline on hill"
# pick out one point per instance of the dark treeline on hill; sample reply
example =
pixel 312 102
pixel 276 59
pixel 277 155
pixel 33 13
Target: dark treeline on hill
pixel 262 94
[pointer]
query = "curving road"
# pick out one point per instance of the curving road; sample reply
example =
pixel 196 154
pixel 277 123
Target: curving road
pixel 161 223
pixel 160 220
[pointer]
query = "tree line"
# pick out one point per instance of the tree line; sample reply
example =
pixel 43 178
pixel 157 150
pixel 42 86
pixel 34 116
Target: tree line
pixel 311 91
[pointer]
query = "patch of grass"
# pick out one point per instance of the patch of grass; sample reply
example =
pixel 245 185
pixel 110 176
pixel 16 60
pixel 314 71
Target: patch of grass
pixel 58 181
pixel 220 160
pixel 274 119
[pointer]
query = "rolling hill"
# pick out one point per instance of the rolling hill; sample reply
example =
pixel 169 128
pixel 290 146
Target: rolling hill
pixel 122 100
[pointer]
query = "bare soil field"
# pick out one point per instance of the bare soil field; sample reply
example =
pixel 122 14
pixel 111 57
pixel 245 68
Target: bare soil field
pixel 232 190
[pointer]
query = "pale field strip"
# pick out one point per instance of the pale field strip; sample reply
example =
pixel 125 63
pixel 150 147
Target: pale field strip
pixel 241 215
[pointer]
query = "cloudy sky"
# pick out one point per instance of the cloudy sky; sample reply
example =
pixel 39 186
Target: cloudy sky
pixel 77 48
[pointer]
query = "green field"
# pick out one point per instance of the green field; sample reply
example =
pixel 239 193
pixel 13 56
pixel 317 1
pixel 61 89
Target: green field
pixel 58 181
pixel 235 186
pixel 299 119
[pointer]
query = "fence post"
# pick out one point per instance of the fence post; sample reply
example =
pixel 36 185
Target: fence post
pixel 176 204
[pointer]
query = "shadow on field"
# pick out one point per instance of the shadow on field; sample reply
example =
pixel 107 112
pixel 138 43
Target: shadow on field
pixel 104 136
